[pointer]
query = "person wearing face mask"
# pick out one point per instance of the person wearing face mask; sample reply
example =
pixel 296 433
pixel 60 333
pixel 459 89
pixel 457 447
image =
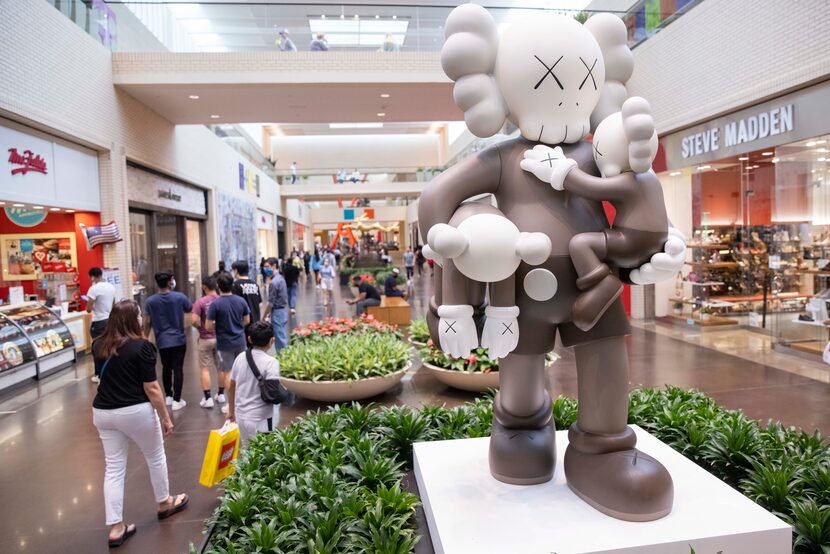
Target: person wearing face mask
pixel 165 315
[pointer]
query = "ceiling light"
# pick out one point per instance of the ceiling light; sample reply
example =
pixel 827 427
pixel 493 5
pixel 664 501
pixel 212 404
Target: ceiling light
pixel 194 96
pixel 812 171
pixel 18 205
pixel 381 114
pixel 766 153
pixel 377 17
pixel 743 158
pixel 394 17
pixel 385 95
pixel 356 16
pixel 342 16
pixel 37 207
pixel 811 144
pixel 774 160
pixel 2 203
pixel 702 167
pixel 70 211
pixel 822 159
pixel 675 173
pixel 821 141
pixel 822 150
pixel 214 116
pixel 376 125
pixel 54 209
pixel 321 17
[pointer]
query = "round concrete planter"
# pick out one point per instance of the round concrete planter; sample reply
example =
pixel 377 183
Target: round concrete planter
pixel 344 391
pixel 473 382
pixel 416 343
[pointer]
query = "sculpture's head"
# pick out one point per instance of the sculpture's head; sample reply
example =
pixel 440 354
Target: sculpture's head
pixel 612 146
pixel 547 74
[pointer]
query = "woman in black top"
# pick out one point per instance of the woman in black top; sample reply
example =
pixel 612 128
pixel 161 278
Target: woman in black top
pixel 130 406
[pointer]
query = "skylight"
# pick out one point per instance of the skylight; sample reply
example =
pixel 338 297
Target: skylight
pixel 359 32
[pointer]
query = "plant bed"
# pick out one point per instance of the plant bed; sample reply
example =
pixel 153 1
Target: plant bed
pixel 344 366
pixel 332 326
pixel 332 481
pixel 476 373
pixel 418 332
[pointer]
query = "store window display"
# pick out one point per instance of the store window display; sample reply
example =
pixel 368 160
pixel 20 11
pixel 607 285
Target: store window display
pixel 556 80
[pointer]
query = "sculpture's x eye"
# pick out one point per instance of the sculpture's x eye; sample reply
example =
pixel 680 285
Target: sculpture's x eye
pixel 590 73
pixel 549 72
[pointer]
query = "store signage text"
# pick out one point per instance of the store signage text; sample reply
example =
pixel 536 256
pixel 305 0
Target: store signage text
pixel 29 161
pixel 773 122
pixel 170 195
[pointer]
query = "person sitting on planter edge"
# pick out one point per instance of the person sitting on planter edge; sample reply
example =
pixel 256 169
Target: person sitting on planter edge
pixel 390 286
pixel 367 295
pixel 245 404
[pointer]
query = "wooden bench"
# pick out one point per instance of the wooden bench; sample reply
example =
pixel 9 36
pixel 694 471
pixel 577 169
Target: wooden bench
pixel 393 310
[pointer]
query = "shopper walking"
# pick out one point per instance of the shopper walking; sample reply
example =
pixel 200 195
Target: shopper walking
pixel 316 265
pixel 207 342
pixel 245 404
pixel 409 262
pixel 319 43
pixel 420 260
pixel 291 274
pixel 165 314
pixel 129 406
pixel 228 315
pixel 284 42
pixel 277 310
pixel 327 282
pixel 367 296
pixel 246 288
pixel 306 262
pixel 293 173
pixel 99 300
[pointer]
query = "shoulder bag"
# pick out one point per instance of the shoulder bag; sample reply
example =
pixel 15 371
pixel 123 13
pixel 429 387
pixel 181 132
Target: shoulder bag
pixel 270 390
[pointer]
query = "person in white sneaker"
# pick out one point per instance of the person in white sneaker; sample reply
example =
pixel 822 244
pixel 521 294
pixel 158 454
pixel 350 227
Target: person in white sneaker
pixel 228 315
pixel 245 404
pixel 207 343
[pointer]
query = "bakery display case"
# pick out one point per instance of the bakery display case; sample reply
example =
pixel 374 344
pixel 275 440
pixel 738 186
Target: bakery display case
pixel 49 336
pixel 18 361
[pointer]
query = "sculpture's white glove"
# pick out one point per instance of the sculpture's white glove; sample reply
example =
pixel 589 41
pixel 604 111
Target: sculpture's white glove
pixel 501 330
pixel 663 265
pixel 430 254
pixel 548 164
pixel 446 241
pixel 457 330
pixel 640 129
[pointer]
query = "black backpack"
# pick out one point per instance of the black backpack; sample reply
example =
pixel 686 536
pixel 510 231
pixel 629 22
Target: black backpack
pixel 270 390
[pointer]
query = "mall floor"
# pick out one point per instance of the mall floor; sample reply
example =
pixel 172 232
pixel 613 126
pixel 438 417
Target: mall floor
pixel 51 461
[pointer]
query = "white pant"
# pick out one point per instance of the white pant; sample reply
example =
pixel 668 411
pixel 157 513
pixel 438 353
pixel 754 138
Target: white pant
pixel 138 423
pixel 250 427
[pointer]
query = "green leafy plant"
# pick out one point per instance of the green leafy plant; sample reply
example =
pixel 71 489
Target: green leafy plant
pixel 331 326
pixel 478 361
pixel 419 331
pixel 344 357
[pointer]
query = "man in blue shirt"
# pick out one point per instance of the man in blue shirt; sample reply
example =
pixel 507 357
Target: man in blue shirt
pixel 228 316
pixel 165 314
pixel 277 307
pixel 390 286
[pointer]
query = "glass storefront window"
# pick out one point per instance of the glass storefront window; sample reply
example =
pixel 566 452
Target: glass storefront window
pixel 141 258
pixel 195 261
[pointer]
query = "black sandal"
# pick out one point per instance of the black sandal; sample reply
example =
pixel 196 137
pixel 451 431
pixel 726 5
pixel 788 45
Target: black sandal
pixel 175 508
pixel 129 531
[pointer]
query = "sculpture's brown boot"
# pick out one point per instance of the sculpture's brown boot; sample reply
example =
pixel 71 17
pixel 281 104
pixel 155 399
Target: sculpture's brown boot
pixel 523 449
pixel 601 288
pixel 608 473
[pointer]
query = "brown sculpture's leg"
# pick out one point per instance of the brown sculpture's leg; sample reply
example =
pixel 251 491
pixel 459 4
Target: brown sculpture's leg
pixel 523 439
pixel 601 464
pixel 601 286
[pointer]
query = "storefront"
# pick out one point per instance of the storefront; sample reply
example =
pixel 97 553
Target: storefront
pixel 49 191
pixel 760 218
pixel 167 232
pixel 265 235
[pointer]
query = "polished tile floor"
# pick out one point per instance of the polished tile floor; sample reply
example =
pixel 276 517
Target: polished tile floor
pixel 51 461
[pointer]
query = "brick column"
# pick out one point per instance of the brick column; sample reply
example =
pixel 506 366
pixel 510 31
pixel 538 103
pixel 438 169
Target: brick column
pixel 112 172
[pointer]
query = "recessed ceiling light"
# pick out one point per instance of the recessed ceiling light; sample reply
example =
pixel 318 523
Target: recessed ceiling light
pixel 214 116
pixel 702 167
pixel 812 171
pixel 321 17
pixel 18 205
pixel 821 141
pixel 2 203
pixel 194 96
pixel 377 17
pixel 822 159
pixel 774 160
pixel 37 207
pixel 356 16
pixel 342 16
pixel 822 150
pixel 70 211
pixel 675 173
pixel 766 153
pixel 810 144
pixel 743 158
pixel 381 114
pixel 394 17
pixel 54 209
pixel 385 95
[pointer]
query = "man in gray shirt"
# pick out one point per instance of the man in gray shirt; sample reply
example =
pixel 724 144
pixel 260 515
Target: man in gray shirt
pixel 409 262
pixel 278 306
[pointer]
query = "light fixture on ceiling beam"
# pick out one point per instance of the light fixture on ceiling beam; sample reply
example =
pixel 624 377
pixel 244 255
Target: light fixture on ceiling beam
pixel 775 160
pixel 381 114
pixel 214 116
pixel 743 159
pixel 37 207
pixel 810 144
pixel 18 205
pixel 356 16
pixel 766 153
pixel 675 173
pixel 394 17
pixel 54 209
pixel 377 17
pixel 385 95
pixel 194 96
pixel 321 17
pixel 70 211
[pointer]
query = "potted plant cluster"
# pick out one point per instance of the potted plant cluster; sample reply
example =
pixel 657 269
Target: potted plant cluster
pixel 373 275
pixel 333 481
pixel 338 360
pixel 419 332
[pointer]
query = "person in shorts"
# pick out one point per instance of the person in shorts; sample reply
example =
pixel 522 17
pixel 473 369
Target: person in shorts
pixel 327 281
pixel 207 344
pixel 228 315
pixel 245 405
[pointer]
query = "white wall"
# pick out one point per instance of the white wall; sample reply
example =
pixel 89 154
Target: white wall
pixel 367 153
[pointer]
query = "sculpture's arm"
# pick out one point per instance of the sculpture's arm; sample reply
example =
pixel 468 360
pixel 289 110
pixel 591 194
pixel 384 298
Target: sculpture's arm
pixel 600 188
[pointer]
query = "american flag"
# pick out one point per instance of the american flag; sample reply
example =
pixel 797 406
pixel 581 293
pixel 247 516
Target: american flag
pixel 100 234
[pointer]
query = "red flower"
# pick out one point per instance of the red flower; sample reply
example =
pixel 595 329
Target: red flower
pixel 471 359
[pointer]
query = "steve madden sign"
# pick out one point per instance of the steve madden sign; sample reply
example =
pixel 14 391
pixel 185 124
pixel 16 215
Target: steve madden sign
pixel 749 129
pixel 796 116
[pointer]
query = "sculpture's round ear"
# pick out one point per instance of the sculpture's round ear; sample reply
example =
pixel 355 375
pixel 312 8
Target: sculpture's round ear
pixel 468 57
pixel 612 36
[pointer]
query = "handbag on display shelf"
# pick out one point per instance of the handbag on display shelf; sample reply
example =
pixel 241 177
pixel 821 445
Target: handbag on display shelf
pixel 222 449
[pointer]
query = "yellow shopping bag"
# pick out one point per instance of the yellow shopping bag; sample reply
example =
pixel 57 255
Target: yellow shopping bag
pixel 222 449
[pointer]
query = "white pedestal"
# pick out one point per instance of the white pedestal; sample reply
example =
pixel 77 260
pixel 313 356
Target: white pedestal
pixel 470 512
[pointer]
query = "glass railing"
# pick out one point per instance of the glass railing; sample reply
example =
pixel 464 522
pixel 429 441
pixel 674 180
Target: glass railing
pixel 160 25
pixel 236 137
